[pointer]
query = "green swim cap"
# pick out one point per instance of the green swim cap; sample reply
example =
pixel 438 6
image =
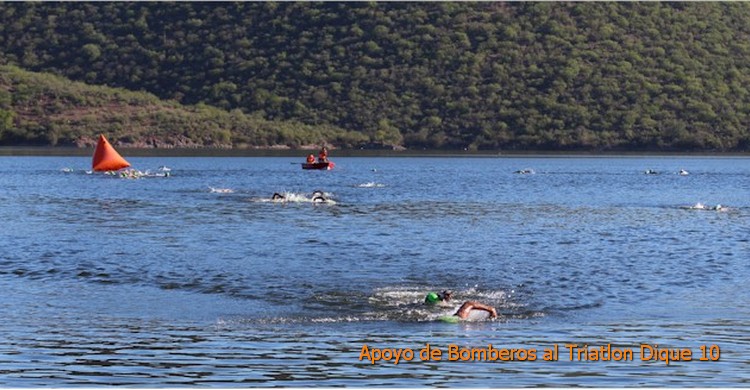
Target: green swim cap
pixel 431 298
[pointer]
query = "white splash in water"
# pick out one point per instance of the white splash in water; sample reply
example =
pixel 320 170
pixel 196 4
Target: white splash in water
pixel 371 184
pixel 701 206
pixel 292 197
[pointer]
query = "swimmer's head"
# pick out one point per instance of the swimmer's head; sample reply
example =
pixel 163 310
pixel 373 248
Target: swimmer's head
pixel 436 297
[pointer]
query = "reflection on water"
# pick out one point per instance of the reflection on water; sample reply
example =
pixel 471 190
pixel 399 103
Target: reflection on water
pixel 232 353
pixel 202 279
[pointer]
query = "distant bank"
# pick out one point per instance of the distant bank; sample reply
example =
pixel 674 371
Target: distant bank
pixel 301 153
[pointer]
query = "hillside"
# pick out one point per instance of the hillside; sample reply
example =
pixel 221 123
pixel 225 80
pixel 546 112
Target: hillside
pixel 43 109
pixel 545 76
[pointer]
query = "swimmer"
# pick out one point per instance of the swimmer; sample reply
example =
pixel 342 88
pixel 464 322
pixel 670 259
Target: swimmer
pixel 277 196
pixel 433 297
pixel 319 196
pixel 132 174
pixel 465 309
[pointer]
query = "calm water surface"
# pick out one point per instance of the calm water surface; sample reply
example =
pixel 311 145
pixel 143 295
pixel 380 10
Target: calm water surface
pixel 198 279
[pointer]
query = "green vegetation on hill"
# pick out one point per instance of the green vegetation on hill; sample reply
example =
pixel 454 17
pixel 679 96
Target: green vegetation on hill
pixel 555 76
pixel 43 109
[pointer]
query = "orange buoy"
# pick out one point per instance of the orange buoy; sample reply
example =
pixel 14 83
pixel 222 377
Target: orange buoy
pixel 106 157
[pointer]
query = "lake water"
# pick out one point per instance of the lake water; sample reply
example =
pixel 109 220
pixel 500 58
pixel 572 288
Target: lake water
pixel 197 279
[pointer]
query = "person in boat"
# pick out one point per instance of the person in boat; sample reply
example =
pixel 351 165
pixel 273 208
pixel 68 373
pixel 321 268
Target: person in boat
pixel 465 309
pixel 310 158
pixel 323 155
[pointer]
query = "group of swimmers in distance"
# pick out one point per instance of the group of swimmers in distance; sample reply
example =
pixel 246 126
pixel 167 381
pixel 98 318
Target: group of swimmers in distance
pixel 317 196
pixel 466 308
pixel 529 171
pixel 681 172
pixel 701 206
pixel 697 206
pixel 131 173
pixel 136 174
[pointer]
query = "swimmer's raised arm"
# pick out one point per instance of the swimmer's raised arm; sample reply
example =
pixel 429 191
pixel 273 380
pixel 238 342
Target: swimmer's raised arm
pixel 467 307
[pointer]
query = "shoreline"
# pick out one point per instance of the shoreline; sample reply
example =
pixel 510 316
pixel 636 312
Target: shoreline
pixel 17 151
